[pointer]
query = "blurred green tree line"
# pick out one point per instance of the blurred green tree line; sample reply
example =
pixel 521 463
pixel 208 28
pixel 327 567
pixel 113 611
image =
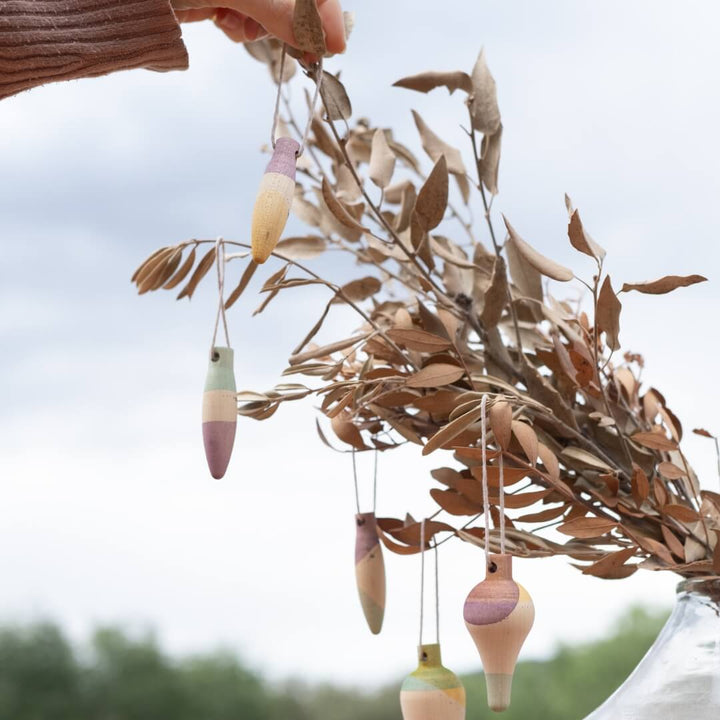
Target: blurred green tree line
pixel 118 677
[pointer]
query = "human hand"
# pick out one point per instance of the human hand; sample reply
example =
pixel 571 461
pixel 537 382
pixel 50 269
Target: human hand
pixel 248 20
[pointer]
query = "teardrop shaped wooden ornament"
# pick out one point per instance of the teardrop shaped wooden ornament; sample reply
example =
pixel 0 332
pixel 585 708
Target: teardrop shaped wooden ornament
pixel 432 692
pixel 219 411
pixel 498 614
pixel 370 570
pixel 274 199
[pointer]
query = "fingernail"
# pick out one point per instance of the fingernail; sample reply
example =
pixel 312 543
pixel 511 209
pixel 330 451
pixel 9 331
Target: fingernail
pixel 229 20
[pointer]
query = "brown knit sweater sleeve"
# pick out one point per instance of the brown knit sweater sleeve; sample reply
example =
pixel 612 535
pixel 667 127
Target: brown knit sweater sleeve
pixel 44 41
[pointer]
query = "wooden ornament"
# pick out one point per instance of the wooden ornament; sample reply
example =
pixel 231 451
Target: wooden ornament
pixel 498 614
pixel 219 411
pixel 432 692
pixel 370 571
pixel 274 199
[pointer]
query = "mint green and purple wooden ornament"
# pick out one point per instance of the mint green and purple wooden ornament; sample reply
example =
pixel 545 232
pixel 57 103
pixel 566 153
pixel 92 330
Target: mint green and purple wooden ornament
pixel 370 571
pixel 274 199
pixel 432 692
pixel 219 411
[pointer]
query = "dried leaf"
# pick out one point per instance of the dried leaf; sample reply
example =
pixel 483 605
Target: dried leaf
pixel 580 240
pixel 382 160
pixel 586 458
pixel 527 438
pixel 550 461
pixel 587 527
pixel 358 290
pixel 539 262
pixel 424 82
pixel 671 471
pixel 432 199
pixel 244 280
pixel 307 28
pixel 420 340
pixel 483 102
pixel 344 428
pixel 671 540
pixel 640 486
pixel 435 146
pixel 664 284
pixel 435 375
pixel 335 98
pixel 490 160
pixel 450 431
pixel 704 433
pixel 182 273
pixel 501 423
pixel 301 248
pixel 654 441
pixel 524 275
pixel 608 566
pixel 543 515
pixel 339 211
pixel 200 271
pixel 454 503
pixel 608 314
pixel 325 350
pixel 496 297
pixel 680 512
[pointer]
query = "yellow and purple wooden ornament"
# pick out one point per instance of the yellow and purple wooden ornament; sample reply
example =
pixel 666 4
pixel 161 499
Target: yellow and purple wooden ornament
pixel 432 692
pixel 219 411
pixel 370 570
pixel 498 614
pixel 274 199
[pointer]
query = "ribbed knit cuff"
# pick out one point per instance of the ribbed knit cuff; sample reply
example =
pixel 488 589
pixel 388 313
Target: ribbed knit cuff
pixel 44 41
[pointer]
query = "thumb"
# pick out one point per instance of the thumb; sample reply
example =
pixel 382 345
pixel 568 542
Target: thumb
pixel 276 17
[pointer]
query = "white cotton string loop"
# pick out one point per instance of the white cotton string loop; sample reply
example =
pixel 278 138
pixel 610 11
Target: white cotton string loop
pixel 422 579
pixel 220 262
pixel 437 594
pixel 355 479
pixel 502 505
pixel 375 481
pixel 318 73
pixel 486 500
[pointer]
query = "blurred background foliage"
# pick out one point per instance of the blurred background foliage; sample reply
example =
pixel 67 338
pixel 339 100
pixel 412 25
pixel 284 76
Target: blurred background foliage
pixel 123 677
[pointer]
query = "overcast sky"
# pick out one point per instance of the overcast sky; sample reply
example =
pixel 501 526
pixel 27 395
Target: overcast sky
pixel 109 513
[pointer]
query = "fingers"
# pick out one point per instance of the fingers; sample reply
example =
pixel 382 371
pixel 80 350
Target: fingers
pixel 334 25
pixel 238 27
pixel 247 20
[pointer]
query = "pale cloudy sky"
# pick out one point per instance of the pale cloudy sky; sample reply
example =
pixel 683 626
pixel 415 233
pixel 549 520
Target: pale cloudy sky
pixel 109 514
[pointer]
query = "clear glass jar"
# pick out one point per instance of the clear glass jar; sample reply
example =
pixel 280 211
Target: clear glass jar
pixel 679 677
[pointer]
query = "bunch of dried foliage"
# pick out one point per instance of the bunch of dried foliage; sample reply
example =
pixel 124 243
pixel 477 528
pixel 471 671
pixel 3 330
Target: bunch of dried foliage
pixel 447 318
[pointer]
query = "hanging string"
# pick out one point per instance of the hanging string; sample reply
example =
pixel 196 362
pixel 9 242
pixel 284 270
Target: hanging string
pixel 318 73
pixel 501 489
pixel 357 494
pixel 220 262
pixel 486 500
pixel 422 579
pixel 422 586
pixel 375 481
pixel 437 594
pixel 502 505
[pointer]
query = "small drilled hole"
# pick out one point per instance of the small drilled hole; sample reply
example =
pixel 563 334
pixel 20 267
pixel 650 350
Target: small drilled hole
pixel 215 356
pixel 424 656
pixel 492 567
pixel 360 521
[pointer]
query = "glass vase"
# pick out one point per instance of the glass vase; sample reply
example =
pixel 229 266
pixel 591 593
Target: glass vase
pixel 679 677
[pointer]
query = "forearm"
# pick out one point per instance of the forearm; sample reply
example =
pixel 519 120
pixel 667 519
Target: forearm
pixel 44 41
